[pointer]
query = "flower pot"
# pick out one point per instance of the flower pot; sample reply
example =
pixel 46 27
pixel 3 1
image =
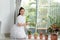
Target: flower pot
pixel 54 37
pixel 41 36
pixel 29 36
pixel 46 37
pixel 35 36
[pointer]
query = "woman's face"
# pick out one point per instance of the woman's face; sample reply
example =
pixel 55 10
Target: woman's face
pixel 22 11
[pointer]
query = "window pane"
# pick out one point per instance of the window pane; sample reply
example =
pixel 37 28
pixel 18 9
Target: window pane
pixel 42 17
pixel 55 15
pixel 55 2
pixel 43 3
pixel 30 11
pixel 55 12
pixel 48 9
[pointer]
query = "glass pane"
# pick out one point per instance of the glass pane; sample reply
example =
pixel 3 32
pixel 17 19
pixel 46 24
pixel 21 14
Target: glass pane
pixel 55 15
pixel 30 11
pixel 55 12
pixel 55 2
pixel 42 17
pixel 43 3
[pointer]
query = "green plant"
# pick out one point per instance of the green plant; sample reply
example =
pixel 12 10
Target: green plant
pixel 36 33
pixel 46 36
pixel 53 29
pixel 29 32
pixel 32 22
pixel 27 18
pixel 52 20
pixel 56 22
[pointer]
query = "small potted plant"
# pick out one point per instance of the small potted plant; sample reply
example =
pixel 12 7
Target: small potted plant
pixel 53 31
pixel 54 36
pixel 35 35
pixel 41 36
pixel 46 36
pixel 29 34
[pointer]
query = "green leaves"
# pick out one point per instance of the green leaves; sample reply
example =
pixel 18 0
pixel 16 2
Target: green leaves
pixel 52 20
pixel 29 32
pixel 31 19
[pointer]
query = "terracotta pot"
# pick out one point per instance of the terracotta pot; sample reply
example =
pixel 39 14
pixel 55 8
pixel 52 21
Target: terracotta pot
pixel 41 35
pixel 35 36
pixel 46 37
pixel 54 37
pixel 29 36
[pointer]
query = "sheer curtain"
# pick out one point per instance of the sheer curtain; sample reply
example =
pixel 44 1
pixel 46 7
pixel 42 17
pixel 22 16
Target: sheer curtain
pixel 18 3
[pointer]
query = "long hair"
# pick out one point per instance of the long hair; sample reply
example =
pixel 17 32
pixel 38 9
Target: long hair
pixel 20 10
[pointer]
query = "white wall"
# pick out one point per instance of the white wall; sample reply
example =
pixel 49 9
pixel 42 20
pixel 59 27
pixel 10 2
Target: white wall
pixel 7 8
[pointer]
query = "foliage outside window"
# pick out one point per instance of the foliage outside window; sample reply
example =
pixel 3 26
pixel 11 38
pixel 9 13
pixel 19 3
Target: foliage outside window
pixel 47 9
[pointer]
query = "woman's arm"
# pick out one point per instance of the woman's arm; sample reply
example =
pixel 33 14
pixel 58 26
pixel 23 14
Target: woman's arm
pixel 20 24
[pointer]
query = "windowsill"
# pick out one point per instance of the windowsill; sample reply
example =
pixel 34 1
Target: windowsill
pixel 39 28
pixel 42 28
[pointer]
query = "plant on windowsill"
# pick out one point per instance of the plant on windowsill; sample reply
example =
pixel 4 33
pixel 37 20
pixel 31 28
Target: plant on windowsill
pixel 41 36
pixel 35 35
pixel 53 30
pixel 46 36
pixel 29 34
pixel 55 25
pixel 32 22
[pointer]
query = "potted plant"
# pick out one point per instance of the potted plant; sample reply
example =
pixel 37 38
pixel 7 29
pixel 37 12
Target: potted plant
pixel 46 36
pixel 29 34
pixel 35 35
pixel 54 36
pixel 53 31
pixel 41 36
pixel 55 24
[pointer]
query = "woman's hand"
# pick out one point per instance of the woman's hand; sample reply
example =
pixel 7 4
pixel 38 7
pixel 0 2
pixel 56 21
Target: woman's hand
pixel 20 24
pixel 27 23
pixel 24 24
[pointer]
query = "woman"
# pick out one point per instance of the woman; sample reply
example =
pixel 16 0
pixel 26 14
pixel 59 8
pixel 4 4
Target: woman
pixel 18 32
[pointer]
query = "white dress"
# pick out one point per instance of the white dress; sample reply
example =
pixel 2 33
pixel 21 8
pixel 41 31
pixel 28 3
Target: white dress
pixel 16 31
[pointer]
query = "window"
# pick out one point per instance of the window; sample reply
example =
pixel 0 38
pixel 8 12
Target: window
pixel 43 12
pixel 54 11
pixel 30 8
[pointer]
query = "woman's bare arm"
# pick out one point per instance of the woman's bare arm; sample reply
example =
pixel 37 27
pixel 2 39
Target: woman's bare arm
pixel 25 24
pixel 20 24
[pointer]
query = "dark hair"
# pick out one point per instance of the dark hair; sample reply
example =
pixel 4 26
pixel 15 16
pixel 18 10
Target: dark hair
pixel 20 10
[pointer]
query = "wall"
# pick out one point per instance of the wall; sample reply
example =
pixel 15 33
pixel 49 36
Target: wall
pixel 7 8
